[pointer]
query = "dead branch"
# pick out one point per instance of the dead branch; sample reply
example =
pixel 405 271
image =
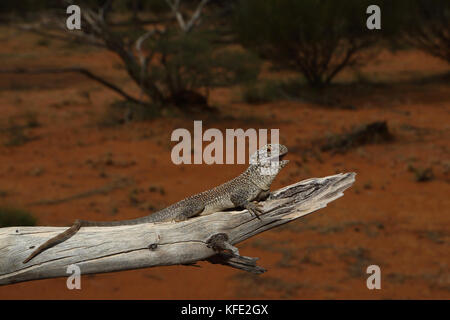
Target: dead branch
pixel 211 238
pixel 186 27
pixel 83 71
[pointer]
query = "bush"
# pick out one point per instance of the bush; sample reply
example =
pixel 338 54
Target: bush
pixel 422 174
pixel 374 132
pixel 178 68
pixel 122 111
pixel 190 61
pixel 271 90
pixel 262 92
pixel 316 38
pixel 427 27
pixel 10 216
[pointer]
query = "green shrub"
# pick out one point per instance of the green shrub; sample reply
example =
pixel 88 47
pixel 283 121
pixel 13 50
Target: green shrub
pixel 262 92
pixel 182 67
pixel 318 38
pixel 191 61
pixel 271 90
pixel 122 111
pixel 10 216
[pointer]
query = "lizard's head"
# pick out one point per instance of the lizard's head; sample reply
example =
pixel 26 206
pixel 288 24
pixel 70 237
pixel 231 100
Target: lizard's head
pixel 266 163
pixel 269 153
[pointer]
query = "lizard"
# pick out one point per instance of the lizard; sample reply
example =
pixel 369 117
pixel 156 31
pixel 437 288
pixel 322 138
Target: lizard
pixel 251 185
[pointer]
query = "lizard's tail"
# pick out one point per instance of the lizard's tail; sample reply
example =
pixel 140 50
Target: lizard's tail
pixel 75 227
pixel 55 240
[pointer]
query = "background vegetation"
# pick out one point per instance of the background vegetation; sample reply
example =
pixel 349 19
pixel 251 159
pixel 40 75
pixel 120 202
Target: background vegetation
pixel 176 64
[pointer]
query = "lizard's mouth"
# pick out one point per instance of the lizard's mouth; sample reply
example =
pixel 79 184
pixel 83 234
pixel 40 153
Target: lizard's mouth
pixel 269 154
pixel 278 154
pixel 283 163
pixel 275 161
pixel 278 157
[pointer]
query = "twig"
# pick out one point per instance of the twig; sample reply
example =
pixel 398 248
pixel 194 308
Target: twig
pixel 186 27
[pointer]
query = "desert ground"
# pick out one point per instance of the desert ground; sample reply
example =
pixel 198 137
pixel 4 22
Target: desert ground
pixel 396 215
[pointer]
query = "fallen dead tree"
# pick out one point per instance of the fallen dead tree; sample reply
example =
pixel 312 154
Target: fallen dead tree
pixel 211 238
pixel 374 132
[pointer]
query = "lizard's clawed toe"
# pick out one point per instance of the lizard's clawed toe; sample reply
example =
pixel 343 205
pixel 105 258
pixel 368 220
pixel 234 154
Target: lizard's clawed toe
pixel 254 209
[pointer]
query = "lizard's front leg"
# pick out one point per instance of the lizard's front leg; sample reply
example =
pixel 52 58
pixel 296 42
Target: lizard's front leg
pixel 254 208
pixel 263 195
pixel 242 198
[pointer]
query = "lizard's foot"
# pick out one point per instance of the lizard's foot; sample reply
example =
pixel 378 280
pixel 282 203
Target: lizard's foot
pixel 254 209
pixel 180 218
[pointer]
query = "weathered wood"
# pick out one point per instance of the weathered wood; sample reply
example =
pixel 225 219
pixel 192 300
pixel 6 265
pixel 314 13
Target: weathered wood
pixel 106 249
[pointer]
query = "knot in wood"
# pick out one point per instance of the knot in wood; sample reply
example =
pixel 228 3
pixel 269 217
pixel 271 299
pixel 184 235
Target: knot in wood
pixel 217 241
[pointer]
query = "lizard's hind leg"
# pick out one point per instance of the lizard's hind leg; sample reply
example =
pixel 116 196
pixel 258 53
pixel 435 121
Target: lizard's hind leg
pixel 191 209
